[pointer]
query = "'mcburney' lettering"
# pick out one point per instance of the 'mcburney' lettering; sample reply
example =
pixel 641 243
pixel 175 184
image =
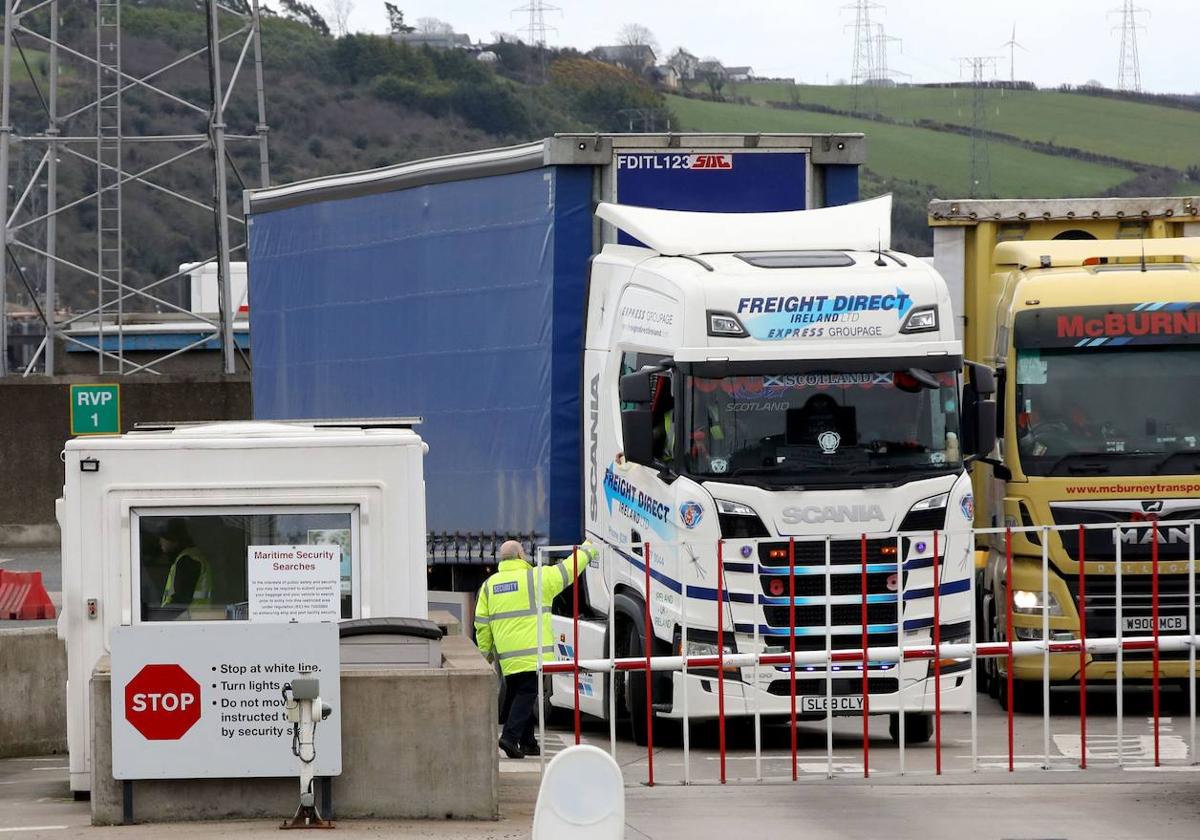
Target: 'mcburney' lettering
pixel 1118 324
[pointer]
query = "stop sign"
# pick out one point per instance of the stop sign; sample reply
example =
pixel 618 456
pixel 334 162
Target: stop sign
pixel 162 702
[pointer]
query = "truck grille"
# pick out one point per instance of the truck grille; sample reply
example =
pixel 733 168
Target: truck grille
pixel 841 614
pixel 841 686
pixel 841 552
pixel 814 585
pixel 1136 591
pixel 1136 542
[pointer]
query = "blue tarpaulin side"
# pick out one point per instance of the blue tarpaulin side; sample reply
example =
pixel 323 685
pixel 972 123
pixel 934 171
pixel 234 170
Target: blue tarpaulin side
pixel 572 250
pixel 439 301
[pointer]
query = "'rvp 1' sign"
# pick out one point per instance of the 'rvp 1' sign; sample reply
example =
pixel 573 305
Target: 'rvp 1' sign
pixel 162 702
pixel 95 409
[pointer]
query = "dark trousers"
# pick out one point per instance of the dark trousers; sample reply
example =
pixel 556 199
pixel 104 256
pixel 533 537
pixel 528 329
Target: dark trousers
pixel 520 702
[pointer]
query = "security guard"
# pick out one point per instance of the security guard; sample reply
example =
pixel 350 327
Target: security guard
pixel 506 628
pixel 189 582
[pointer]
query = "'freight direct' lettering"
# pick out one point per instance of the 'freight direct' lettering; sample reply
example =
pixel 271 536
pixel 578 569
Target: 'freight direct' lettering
pixel 823 303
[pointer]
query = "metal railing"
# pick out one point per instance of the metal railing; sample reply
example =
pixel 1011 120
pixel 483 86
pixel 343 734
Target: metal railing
pixel 868 655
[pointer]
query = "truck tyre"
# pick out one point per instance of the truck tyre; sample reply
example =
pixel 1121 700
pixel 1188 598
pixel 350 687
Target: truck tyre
pixel 983 673
pixel 918 728
pixel 635 684
pixel 1027 697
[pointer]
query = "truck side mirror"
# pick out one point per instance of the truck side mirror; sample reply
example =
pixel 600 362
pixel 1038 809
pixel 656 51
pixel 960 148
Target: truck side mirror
pixel 637 434
pixel 638 387
pixel 979 411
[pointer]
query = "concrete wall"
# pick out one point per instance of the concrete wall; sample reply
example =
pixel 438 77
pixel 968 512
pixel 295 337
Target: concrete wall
pixel 416 743
pixel 33 687
pixel 35 423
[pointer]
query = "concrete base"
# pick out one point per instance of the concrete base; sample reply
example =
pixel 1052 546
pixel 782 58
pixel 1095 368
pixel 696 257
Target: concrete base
pixel 33 683
pixel 416 743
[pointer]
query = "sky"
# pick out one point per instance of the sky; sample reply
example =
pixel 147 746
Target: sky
pixel 1065 41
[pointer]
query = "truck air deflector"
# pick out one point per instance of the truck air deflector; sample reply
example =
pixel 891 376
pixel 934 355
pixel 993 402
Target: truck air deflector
pixel 862 226
pixel 723 368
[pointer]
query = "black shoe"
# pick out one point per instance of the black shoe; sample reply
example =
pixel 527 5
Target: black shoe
pixel 531 749
pixel 511 750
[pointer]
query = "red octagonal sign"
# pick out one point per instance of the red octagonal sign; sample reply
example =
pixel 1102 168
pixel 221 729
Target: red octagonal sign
pixel 162 702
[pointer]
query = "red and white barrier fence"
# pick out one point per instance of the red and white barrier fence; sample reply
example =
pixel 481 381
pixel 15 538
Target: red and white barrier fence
pixel 822 663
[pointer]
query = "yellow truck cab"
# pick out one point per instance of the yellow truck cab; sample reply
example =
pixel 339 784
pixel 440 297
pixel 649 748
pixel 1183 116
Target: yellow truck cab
pixel 1091 309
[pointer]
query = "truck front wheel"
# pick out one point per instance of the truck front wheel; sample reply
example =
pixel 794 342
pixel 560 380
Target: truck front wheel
pixel 630 646
pixel 918 728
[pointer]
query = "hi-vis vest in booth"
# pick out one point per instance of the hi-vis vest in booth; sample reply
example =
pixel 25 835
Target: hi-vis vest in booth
pixel 506 615
pixel 202 595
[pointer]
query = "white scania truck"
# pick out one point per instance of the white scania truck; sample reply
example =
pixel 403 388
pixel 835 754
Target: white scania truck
pixel 753 378
pixel 749 364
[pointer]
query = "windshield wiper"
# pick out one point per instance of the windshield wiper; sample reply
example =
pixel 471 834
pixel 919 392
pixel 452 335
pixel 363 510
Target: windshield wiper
pixel 1095 467
pixel 1195 465
pixel 899 467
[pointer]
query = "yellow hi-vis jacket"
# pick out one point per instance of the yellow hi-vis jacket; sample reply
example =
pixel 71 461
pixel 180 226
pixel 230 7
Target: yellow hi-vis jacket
pixel 506 622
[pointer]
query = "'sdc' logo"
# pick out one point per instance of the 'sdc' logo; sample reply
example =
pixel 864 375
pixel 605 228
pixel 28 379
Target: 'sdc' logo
pixel 691 513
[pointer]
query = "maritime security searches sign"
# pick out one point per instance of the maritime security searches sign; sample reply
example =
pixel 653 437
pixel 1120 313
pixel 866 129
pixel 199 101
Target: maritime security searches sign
pixel 800 317
pixel 205 701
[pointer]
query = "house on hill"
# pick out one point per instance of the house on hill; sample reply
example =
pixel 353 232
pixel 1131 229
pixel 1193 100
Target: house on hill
pixel 739 74
pixel 434 40
pixel 638 58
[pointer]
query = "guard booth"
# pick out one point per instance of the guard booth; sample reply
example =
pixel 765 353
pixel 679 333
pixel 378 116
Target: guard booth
pixel 350 492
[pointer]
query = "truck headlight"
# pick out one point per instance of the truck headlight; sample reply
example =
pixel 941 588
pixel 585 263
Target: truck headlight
pixel 932 503
pixel 696 648
pixel 1029 602
pixel 921 319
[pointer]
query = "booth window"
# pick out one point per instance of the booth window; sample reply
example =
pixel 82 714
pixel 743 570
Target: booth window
pixel 192 563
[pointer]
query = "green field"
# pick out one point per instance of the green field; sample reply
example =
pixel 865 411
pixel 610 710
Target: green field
pixel 1135 131
pixel 939 160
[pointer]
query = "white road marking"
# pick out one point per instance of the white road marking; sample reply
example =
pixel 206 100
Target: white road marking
pixel 1133 747
pixel 63 767
pixel 6 559
pixel 36 828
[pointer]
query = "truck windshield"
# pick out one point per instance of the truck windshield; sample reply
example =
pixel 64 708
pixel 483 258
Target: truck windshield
pixel 823 428
pixel 1124 411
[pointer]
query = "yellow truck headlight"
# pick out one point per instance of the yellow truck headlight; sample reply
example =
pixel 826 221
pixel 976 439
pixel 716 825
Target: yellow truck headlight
pixel 1029 602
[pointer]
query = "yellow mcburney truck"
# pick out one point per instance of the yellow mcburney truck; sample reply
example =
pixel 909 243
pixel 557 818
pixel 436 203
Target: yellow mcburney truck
pixel 1090 308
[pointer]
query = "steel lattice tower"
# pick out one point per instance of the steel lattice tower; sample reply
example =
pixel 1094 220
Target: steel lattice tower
pixel 863 61
pixel 980 183
pixel 1129 71
pixel 91 133
pixel 537 28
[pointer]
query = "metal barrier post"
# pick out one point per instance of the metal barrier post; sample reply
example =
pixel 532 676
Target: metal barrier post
pixel 828 662
pixel 1045 647
pixel 866 715
pixel 649 675
pixel 721 654
pixel 792 647
pixel 1120 658
pixel 1192 645
pixel 1082 651
pixel 937 660
pixel 687 727
pixel 575 639
pixel 1008 635
pixel 900 645
pixel 539 555
pixel 612 656
pixel 1154 626
pixel 754 681
pixel 974 664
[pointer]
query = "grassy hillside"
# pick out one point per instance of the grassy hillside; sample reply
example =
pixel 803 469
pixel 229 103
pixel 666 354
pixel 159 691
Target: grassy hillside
pixel 1136 131
pixel 919 155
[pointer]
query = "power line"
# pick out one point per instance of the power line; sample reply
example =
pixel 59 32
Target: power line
pixel 1129 71
pixel 1013 45
pixel 980 182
